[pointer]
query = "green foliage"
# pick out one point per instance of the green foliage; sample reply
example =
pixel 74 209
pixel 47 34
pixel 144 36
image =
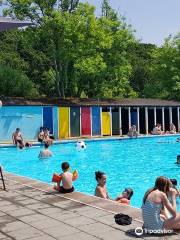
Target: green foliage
pixel 70 52
pixel 141 58
pixel 14 83
pixel 37 9
pixel 9 55
pixel 107 11
pixel 165 71
pixel 68 5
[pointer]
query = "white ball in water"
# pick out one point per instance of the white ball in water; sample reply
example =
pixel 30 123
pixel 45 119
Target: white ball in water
pixel 80 145
pixel 0 103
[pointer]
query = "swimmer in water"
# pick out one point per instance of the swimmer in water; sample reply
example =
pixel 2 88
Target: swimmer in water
pixel 178 159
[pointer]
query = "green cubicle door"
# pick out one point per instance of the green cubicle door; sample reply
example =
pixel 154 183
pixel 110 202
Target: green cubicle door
pixel 75 121
pixel 115 121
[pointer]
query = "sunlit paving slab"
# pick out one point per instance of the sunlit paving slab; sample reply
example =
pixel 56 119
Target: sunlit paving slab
pixel 28 212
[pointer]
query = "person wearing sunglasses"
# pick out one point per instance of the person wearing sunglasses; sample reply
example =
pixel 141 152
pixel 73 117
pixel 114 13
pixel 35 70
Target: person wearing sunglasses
pixel 125 196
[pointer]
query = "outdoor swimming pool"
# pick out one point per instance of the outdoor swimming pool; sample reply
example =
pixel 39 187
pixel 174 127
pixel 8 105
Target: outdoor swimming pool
pixel 131 163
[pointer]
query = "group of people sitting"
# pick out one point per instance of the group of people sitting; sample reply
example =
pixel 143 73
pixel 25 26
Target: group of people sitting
pixel 158 131
pixel 67 179
pixel 158 206
pixel 44 136
pixel 19 142
pixel 159 203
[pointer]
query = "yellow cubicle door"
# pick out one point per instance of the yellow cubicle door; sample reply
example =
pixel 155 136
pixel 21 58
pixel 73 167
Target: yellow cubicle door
pixel 106 124
pixel 63 122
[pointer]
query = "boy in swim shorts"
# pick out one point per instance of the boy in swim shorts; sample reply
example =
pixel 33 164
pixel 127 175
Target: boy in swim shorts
pixel 67 179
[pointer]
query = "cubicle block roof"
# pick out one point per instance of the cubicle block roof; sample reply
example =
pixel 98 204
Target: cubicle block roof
pixel 9 23
pixel 125 102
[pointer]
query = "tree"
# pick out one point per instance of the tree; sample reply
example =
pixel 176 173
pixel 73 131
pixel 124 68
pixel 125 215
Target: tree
pixel 141 58
pixel 119 67
pixel 36 10
pixel 9 55
pixel 165 71
pixel 14 84
pixel 71 52
pixel 42 12
pixel 78 39
pixel 107 11
pixel 68 5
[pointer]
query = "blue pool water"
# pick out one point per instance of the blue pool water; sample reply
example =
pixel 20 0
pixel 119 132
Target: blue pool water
pixel 131 163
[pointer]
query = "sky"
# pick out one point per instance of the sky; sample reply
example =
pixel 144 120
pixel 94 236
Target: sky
pixel 153 20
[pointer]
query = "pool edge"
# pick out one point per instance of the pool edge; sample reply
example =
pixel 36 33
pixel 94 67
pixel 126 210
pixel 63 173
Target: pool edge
pixel 88 200
pixel 108 138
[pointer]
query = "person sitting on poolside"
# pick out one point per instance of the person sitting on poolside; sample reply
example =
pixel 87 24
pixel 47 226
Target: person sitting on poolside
pixel 51 136
pixel 46 138
pixel 66 178
pixel 155 199
pixel 45 153
pixel 101 190
pixel 125 197
pixel 172 129
pixel 157 130
pixel 41 135
pixel 17 137
pixel 132 131
pixel 173 187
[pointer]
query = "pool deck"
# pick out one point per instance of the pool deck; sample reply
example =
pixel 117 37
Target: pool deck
pixel 30 209
pixel 90 139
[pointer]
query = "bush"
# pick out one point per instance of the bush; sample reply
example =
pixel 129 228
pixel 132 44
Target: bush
pixel 14 83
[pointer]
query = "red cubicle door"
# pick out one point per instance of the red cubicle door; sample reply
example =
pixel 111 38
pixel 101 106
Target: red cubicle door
pixel 86 121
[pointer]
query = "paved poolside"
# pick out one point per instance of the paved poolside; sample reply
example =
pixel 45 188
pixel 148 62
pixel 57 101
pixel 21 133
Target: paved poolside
pixel 32 210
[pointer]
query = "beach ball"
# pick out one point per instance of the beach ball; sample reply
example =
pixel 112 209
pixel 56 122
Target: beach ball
pixel 80 145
